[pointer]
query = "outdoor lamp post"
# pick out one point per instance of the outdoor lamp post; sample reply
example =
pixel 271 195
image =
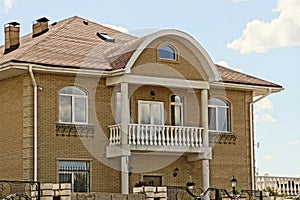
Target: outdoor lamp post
pixel 233 183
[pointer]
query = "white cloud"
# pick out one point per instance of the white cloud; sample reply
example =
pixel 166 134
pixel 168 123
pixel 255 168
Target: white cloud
pixel 260 36
pixel 222 63
pixel 118 28
pixel 8 5
pixel 294 140
pixel 269 157
pixel 238 1
pixel 263 118
pixel 263 104
pixel 225 64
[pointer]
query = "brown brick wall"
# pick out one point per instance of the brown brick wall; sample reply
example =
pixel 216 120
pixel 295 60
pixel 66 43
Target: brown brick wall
pixel 11 103
pixel 234 159
pixel 183 67
pixel 53 147
pixel 228 159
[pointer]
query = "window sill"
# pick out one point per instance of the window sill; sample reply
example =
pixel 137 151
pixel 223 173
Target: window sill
pixel 168 60
pixel 80 130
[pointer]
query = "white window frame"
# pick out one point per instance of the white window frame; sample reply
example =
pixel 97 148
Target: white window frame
pixel 73 98
pixel 171 47
pixel 216 107
pixel 161 104
pixel 118 104
pixel 180 104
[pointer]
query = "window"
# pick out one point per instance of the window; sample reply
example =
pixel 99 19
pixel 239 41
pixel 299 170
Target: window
pixel 176 111
pixel 75 172
pixel 218 115
pixel 118 108
pixel 73 105
pixel 166 52
pixel 105 37
pixel 153 180
pixel 151 112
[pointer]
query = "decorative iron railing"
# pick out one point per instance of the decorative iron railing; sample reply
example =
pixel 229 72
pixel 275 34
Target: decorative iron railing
pixel 23 190
pixel 145 134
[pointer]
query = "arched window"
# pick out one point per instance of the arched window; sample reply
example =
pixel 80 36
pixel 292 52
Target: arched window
pixel 73 105
pixel 218 115
pixel 176 110
pixel 166 52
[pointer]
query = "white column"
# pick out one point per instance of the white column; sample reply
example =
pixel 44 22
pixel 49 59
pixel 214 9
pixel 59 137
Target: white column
pixel 124 176
pixel 204 121
pixel 125 115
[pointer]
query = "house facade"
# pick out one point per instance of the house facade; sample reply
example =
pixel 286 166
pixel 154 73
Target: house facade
pixel 86 104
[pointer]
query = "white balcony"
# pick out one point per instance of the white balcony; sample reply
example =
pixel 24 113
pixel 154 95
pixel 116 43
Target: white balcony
pixel 161 138
pixel 282 185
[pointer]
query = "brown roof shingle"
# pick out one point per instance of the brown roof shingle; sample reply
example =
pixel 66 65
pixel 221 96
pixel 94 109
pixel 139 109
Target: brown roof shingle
pixel 232 76
pixel 73 43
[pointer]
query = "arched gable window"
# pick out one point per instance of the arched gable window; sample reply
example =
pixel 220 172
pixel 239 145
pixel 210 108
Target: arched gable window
pixel 176 110
pixel 218 115
pixel 166 52
pixel 73 107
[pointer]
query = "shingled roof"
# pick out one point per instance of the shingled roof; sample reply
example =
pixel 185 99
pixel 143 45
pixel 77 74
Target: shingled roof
pixel 74 43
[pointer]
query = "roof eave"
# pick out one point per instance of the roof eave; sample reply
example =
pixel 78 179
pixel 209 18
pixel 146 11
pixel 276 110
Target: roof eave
pixel 14 68
pixel 256 89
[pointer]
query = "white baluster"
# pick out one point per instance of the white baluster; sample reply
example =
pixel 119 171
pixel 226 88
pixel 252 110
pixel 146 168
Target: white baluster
pixel 129 134
pixel 184 132
pixel 138 135
pixel 168 136
pixel 188 141
pixel 155 135
pixel 163 136
pixel 180 136
pixel 196 133
pixel 133 134
pixel 119 134
pixel 143 135
pixel 158 135
pixel 114 136
pixel 151 132
pixel 172 137
pixel 193 137
pixel 110 136
pixel 176 136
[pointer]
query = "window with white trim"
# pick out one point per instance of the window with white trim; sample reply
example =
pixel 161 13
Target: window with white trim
pixel 176 110
pixel 151 112
pixel 73 105
pixel 218 115
pixel 166 52
pixel 118 108
pixel 75 172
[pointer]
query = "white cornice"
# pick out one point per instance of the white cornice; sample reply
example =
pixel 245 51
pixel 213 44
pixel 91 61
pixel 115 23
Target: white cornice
pixel 13 69
pixel 258 90
pixel 148 80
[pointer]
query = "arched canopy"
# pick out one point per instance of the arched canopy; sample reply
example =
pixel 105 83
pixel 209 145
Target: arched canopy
pixel 207 68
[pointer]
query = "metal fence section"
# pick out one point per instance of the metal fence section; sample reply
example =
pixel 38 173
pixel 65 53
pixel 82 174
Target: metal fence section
pixel 22 190
pixel 173 190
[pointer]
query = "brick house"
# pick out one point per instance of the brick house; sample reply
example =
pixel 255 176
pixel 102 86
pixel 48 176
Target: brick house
pixel 86 104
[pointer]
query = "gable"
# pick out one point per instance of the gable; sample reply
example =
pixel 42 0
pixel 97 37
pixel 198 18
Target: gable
pixel 192 61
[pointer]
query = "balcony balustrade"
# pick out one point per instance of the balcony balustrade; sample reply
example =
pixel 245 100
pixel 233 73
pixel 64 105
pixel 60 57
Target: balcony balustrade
pixel 282 185
pixel 157 135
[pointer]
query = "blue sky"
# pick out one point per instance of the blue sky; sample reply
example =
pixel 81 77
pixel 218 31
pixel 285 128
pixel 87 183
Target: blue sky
pixel 261 38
